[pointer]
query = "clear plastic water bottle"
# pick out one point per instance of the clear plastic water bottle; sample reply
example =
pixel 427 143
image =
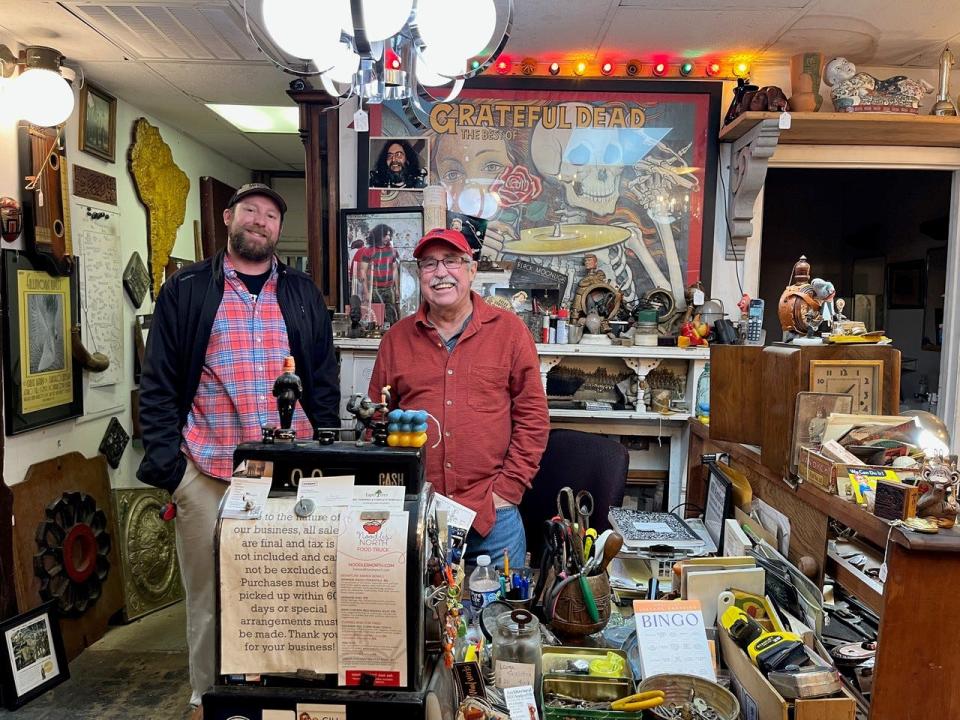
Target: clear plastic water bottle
pixel 484 584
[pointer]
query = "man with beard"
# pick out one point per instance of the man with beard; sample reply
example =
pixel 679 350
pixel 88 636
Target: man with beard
pixel 398 166
pixel 220 332
pixel 475 368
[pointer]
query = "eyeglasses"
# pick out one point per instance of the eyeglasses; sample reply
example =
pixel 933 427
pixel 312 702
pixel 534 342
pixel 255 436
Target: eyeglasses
pixel 450 263
pixel 399 155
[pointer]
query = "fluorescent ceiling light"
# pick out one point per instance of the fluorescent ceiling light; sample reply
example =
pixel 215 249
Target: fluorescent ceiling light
pixel 260 118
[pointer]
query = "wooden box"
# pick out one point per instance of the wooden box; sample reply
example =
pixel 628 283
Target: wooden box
pixel 736 395
pixel 831 476
pixel 759 699
pixel 786 372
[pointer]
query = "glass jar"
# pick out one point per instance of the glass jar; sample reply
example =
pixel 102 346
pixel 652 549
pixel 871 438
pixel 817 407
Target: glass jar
pixel 341 325
pixel 517 649
pixel 703 395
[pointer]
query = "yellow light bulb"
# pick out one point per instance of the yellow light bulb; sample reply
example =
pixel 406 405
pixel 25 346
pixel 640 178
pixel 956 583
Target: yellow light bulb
pixel 580 68
pixel 741 69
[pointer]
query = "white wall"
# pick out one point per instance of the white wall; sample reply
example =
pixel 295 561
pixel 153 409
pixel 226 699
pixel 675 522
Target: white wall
pixel 195 160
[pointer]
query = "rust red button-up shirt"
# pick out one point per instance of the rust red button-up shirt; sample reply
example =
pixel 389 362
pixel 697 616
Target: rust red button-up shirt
pixel 487 396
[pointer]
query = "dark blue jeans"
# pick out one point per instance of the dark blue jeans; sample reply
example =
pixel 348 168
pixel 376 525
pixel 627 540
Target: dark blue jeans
pixel 507 533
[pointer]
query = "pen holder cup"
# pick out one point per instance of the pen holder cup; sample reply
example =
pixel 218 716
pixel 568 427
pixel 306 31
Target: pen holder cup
pixel 528 603
pixel 570 616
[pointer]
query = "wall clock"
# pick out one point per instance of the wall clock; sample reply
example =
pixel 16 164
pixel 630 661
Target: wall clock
pixel 860 379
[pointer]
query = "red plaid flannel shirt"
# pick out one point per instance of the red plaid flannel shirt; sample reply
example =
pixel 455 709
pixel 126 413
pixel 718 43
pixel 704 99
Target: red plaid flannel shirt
pixel 245 355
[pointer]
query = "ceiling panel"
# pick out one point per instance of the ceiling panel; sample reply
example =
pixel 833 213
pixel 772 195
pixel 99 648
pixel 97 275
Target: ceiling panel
pixel 285 147
pixel 238 148
pixel 237 83
pixel 693 33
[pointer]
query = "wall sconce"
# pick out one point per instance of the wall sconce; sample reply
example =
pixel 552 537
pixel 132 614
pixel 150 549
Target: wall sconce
pixel 40 93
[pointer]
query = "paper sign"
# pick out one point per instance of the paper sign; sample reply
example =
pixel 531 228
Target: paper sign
pixel 511 674
pixel 671 638
pixel 385 497
pixel 654 527
pixel 335 491
pixel 521 703
pixel 319 712
pixel 457 514
pixel 372 598
pixel 278 715
pixel 246 498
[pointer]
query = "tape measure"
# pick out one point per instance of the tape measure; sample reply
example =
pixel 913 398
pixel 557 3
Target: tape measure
pixel 767 650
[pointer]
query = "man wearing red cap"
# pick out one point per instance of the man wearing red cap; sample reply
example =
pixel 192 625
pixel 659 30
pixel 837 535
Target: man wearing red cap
pixel 475 368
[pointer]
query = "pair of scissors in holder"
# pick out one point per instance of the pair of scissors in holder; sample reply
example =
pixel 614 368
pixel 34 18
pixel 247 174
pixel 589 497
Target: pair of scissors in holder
pixel 584 504
pixel 567 509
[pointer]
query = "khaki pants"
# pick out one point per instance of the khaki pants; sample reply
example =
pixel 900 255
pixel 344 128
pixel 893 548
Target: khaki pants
pixel 197 498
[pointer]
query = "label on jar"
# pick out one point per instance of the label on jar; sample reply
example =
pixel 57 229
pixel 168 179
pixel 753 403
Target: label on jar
pixel 511 674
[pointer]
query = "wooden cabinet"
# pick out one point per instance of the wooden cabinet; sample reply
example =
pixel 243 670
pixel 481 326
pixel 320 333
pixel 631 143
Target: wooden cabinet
pixel 753 393
pixel 917 661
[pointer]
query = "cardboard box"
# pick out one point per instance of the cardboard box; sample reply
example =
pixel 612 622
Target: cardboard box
pixel 759 700
pixel 832 477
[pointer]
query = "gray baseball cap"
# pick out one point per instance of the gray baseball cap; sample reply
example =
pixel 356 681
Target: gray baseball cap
pixel 258 189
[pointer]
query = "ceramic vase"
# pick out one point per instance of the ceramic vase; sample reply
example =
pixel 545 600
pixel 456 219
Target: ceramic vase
pixel 806 70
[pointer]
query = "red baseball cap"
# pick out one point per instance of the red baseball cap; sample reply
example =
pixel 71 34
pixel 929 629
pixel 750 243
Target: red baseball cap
pixel 450 237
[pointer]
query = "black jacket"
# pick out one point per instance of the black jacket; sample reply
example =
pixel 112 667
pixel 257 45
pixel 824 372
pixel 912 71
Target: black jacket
pixel 177 348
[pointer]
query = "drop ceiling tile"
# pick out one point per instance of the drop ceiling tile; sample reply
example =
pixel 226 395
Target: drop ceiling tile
pixel 285 147
pixel 235 84
pixel 238 148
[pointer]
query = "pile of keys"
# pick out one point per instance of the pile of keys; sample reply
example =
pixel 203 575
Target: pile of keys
pixel 696 709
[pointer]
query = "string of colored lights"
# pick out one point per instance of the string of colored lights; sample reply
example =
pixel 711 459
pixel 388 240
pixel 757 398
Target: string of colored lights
pixel 713 69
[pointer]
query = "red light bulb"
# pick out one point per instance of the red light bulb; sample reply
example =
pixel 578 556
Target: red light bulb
pixel 659 69
pixel 503 66
pixel 713 69
pixel 606 68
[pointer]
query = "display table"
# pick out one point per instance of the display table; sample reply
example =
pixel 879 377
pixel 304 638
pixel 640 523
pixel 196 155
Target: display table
pixel 357 357
pixel 917 660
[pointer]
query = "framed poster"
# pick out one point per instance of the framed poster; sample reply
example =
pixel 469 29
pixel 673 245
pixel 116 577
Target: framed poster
pixel 33 657
pixel 42 382
pixel 906 285
pixel 623 170
pixel 377 247
pixel 98 122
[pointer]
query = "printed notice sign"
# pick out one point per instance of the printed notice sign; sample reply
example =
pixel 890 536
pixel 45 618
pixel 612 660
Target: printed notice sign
pixel 278 591
pixel 372 598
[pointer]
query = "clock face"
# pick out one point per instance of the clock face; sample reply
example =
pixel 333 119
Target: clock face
pixel 860 379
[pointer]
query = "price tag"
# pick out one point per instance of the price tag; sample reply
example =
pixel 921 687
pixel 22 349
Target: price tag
pixel 698 297
pixel 361 121
pixel 785 121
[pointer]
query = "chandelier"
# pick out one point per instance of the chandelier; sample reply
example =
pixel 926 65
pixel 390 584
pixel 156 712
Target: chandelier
pixel 379 50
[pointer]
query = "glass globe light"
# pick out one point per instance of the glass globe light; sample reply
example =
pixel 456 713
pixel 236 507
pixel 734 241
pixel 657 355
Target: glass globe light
pixel 339 63
pixel 384 18
pixel 474 21
pixel 44 96
pixel 295 25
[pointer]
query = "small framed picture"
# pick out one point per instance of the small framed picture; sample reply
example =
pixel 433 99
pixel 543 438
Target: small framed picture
pixel 378 267
pixel 399 163
pixel 810 420
pixel 33 659
pixel 906 285
pixel 98 122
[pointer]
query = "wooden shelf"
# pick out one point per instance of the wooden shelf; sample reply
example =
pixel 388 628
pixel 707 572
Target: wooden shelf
pixel 830 128
pixel 619 415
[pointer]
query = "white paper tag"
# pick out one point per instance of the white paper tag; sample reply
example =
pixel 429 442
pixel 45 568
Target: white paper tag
pixel 521 703
pixel 784 121
pixel 883 572
pixel 698 297
pixel 321 712
pixel 361 121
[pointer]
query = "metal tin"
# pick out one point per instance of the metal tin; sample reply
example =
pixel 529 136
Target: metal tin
pixel 591 689
pixel 555 658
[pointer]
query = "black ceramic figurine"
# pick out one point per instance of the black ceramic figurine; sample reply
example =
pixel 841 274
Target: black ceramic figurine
pixel 287 389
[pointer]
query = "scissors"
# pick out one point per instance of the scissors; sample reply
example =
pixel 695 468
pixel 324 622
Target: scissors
pixel 584 502
pixel 567 508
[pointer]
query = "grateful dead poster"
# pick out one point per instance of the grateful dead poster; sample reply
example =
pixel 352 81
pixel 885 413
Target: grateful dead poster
pixel 561 172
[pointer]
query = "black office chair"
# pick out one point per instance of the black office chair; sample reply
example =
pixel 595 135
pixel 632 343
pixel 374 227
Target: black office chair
pixel 583 461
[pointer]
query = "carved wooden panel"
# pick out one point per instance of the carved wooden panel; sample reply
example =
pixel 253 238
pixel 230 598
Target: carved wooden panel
pixel 94 185
pixel 43 489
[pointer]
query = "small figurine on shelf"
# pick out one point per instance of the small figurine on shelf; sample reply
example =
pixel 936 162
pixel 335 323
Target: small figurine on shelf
pixel 694 332
pixel 854 91
pixel 813 322
pixel 797 299
pixel 370 416
pixel 939 501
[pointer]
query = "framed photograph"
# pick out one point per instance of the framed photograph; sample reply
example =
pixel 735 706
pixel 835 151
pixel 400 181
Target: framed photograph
pixel 810 419
pixel 378 265
pixel 906 285
pixel 398 163
pixel 719 505
pixel 98 122
pixel 33 657
pixel 558 169
pixel 42 382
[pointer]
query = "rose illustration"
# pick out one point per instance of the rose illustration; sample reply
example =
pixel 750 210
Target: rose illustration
pixel 516 185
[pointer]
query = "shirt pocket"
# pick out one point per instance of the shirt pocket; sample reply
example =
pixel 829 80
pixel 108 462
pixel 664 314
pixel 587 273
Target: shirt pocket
pixel 489 388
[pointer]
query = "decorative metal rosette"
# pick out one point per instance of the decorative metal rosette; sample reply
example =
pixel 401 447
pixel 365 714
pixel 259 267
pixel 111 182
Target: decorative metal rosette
pixel 72 561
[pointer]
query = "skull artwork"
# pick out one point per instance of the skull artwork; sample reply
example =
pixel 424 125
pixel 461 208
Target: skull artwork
pixel 588 162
